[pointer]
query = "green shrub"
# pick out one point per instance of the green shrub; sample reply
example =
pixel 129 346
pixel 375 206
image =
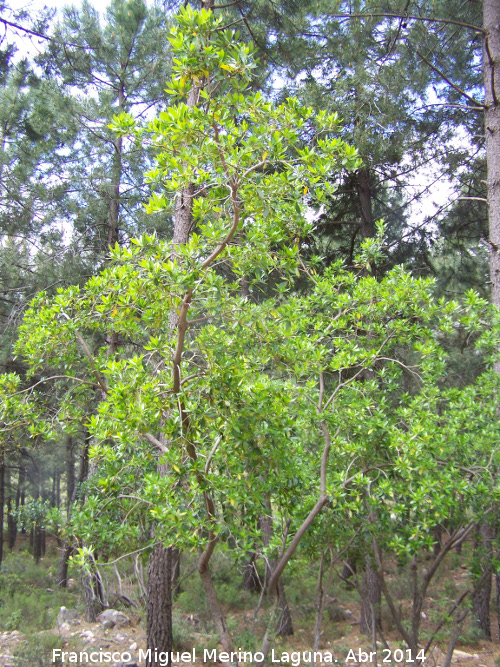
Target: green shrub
pixel 36 651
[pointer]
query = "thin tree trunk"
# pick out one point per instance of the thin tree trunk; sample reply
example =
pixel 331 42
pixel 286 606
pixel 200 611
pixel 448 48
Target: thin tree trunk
pixel 349 569
pixel 497 583
pixel 67 549
pixel 214 604
pixel 92 587
pixel 62 570
pixel 58 490
pixel 322 596
pixel 37 543
pixel 437 533
pixel 284 625
pixel 251 581
pixel 11 526
pixel 159 603
pixel 43 544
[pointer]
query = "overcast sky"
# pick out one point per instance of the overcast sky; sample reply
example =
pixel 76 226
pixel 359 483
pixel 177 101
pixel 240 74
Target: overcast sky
pixel 39 4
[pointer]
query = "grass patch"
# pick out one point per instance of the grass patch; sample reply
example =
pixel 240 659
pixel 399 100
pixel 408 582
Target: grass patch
pixel 25 602
pixel 36 651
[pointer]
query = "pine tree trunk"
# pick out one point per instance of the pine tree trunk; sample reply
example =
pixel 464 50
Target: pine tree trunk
pixel 497 582
pixel 176 571
pixel 37 543
pixel 482 594
pixel 365 202
pixel 2 500
pixel 371 599
pixel 159 603
pixel 58 490
pixel 116 177
pixel 11 526
pixel 43 544
pixel 70 474
pixel 491 63
pixel 62 570
pixel 491 72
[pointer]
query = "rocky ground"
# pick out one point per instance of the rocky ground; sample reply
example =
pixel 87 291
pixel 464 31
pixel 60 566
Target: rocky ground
pixel 116 633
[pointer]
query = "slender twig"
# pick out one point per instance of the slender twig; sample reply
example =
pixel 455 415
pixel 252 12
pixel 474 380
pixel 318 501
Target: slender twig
pixel 130 553
pixel 425 19
pixel 212 452
pixel 448 81
pixel 154 441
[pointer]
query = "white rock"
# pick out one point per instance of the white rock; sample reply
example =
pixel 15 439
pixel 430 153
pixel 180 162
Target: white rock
pixel 67 617
pixel 133 647
pixel 115 616
pixel 458 656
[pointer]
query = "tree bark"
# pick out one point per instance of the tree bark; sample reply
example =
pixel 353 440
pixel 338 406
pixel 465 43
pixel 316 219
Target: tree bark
pixel 37 543
pixel 11 526
pixel 2 500
pixel 159 603
pixel 371 599
pixel 491 72
pixel 116 177
pixel 92 587
pixel 481 599
pixel 62 570
pixel 349 569
pixel 365 202
pixel 67 550
pixel 70 474
pixel 176 571
pixel 497 582
pixel 491 62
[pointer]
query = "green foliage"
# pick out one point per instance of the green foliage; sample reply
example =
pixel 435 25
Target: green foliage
pixel 37 651
pixel 33 513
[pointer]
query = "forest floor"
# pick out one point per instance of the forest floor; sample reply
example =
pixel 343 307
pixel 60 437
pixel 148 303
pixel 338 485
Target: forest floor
pixel 29 606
